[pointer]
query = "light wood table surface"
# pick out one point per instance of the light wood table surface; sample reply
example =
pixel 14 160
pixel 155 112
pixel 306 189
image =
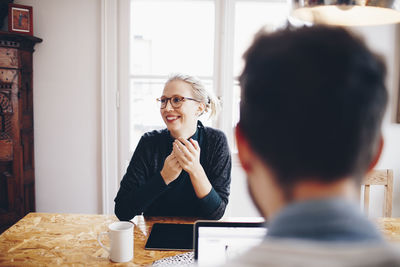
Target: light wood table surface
pixel 390 228
pixel 46 239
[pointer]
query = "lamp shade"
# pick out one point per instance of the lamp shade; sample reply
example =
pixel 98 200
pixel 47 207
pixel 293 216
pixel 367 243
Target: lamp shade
pixel 344 12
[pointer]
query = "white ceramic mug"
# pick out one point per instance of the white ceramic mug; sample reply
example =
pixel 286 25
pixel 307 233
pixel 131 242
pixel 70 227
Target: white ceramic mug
pixel 121 241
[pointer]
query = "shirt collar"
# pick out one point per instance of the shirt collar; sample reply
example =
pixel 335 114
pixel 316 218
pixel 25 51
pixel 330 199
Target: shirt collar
pixel 196 135
pixel 323 219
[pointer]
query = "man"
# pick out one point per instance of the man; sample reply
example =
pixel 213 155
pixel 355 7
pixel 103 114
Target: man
pixel 311 109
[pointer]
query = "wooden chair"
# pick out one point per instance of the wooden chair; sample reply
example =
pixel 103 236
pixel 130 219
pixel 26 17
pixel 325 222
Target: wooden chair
pixel 380 177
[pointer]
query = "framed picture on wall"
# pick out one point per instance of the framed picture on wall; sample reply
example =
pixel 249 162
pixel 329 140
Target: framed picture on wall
pixel 20 19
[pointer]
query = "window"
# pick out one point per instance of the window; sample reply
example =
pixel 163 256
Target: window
pixel 200 37
pixel 167 37
pixel 250 16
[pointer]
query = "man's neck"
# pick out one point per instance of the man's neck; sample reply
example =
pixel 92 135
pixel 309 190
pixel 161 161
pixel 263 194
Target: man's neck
pixel 312 189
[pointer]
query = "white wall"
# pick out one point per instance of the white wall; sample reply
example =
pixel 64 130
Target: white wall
pixel 67 111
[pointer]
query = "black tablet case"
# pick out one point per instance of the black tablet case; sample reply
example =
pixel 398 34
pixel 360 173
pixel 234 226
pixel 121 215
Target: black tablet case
pixel 170 236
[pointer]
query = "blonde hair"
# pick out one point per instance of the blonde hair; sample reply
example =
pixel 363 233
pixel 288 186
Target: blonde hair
pixel 208 98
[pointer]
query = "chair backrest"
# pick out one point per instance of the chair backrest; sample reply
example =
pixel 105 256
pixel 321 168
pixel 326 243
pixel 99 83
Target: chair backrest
pixel 379 177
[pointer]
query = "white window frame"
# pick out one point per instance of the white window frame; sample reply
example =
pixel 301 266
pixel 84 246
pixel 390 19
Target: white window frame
pixel 115 19
pixel 223 62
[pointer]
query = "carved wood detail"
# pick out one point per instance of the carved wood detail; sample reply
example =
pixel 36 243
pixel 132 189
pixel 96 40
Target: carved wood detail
pixel 17 179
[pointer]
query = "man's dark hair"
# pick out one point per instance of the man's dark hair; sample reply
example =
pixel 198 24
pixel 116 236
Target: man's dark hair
pixel 312 103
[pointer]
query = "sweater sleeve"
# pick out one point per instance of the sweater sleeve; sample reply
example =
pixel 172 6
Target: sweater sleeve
pixel 138 188
pixel 218 172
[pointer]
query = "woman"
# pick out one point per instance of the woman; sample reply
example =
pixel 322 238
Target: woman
pixel 184 170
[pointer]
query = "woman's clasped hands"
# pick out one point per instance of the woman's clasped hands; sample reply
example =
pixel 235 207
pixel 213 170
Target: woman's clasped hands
pixel 188 154
pixel 184 156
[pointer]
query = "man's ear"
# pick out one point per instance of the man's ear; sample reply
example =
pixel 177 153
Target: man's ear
pixel 244 151
pixel 377 155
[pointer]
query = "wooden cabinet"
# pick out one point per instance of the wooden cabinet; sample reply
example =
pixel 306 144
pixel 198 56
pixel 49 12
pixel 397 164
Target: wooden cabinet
pixel 17 169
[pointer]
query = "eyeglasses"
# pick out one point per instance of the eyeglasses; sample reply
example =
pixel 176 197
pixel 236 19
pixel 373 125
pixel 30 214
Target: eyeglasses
pixel 176 101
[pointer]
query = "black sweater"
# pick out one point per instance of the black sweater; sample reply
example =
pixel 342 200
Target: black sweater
pixel 143 190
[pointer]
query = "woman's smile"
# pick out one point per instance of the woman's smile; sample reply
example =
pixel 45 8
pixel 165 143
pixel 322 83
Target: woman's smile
pixel 171 118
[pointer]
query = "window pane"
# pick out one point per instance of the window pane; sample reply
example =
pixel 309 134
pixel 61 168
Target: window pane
pixel 249 18
pixel 143 108
pixel 172 36
pixel 167 36
pixel 236 104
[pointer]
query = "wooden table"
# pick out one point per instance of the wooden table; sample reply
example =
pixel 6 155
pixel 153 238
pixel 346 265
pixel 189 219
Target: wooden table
pixel 42 239
pixel 390 228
